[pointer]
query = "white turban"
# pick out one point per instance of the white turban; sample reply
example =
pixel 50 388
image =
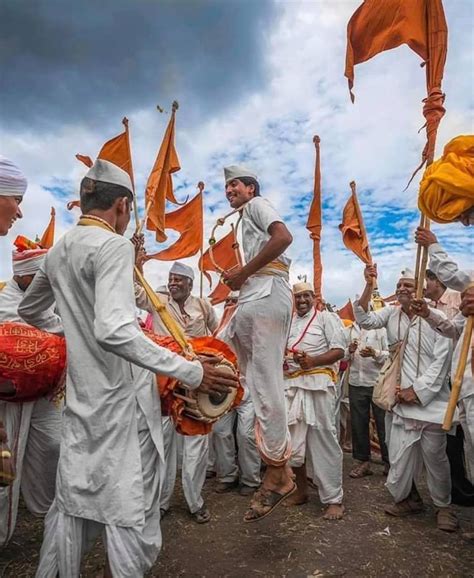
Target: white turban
pixel 407 273
pixel 27 262
pixel 13 182
pixel 107 172
pixel 182 269
pixel 236 172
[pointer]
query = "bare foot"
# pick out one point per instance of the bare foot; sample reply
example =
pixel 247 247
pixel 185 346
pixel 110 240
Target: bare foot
pixel 297 499
pixel 334 512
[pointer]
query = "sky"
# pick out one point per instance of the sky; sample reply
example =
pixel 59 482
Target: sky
pixel 255 82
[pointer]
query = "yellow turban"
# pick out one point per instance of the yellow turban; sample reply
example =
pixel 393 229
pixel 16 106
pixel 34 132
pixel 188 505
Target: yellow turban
pixel 447 186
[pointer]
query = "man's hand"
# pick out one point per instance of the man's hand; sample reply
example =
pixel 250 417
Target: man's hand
pixel 420 308
pixel 353 347
pixel 215 380
pixel 370 273
pixel 140 259
pixel 234 279
pixel 304 360
pixel 425 237
pixel 408 396
pixel 138 242
pixel 467 302
pixel 367 351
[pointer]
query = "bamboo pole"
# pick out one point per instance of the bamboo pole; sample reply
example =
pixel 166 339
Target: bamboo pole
pixel 459 375
pixel 135 204
pixel 201 273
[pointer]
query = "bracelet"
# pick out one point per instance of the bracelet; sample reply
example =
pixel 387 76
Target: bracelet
pixel 5 454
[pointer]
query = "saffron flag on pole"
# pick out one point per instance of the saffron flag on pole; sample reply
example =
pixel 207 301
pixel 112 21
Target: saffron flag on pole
pixel 187 220
pixel 224 255
pixel 220 294
pixel 47 240
pixel 159 187
pixel 378 26
pixel 352 228
pixel 314 224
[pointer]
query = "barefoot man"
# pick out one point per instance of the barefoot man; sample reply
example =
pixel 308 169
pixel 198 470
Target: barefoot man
pixel 316 343
pixel 259 330
pixel 108 473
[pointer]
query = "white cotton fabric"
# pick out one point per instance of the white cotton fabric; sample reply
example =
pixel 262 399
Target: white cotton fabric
pixel 13 182
pixel 108 172
pixel 236 172
pixel 411 445
pixel 242 462
pixel 447 270
pixel 27 262
pixel 179 268
pixel 364 371
pixel 100 474
pixel 257 217
pixel 314 437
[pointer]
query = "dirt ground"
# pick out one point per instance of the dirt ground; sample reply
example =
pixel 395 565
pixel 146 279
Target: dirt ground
pixel 294 542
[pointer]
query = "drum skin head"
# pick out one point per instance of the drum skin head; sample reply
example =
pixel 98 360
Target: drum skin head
pixel 215 405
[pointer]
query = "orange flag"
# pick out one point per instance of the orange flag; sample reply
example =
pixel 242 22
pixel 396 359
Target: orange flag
pixel 187 220
pixel 353 231
pixel 222 256
pixel 314 225
pixel 47 240
pixel 116 150
pixel 159 187
pixel 378 26
pixel 347 312
pixel 219 295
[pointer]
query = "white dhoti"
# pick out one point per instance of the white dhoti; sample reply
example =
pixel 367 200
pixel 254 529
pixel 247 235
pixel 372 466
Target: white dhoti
pixel 194 461
pixel 258 333
pixel 314 437
pixel 131 551
pixel 33 431
pixel 248 458
pixel 414 443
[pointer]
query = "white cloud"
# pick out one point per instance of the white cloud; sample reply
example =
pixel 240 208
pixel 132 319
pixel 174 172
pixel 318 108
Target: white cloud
pixel 374 142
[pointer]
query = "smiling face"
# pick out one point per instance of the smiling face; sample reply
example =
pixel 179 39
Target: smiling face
pixel 9 212
pixel 238 193
pixel 179 287
pixel 405 291
pixel 304 302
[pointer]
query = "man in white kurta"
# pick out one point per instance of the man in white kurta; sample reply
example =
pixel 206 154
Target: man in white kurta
pixel 236 467
pixel 108 471
pixel 32 427
pixel 416 437
pixel 197 318
pixel 367 351
pixel 259 330
pixel 315 344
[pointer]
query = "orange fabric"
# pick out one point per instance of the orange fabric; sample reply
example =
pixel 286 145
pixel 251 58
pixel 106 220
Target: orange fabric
pixel 173 406
pixel 189 221
pixel 85 159
pixel 47 240
pixel 159 187
pixel 353 232
pixel 314 226
pixel 72 204
pixel 24 244
pixel 347 312
pixel 219 295
pixel 421 24
pixel 224 254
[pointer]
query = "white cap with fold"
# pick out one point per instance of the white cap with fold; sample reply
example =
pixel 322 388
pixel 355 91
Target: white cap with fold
pixel 107 172
pixel 181 269
pixel 235 172
pixel 13 182
pixel 302 288
pixel 407 273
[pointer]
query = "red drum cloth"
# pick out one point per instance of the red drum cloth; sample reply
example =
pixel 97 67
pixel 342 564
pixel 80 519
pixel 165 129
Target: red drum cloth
pixel 31 361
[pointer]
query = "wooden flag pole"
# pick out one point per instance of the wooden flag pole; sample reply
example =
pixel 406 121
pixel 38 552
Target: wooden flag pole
pixel 458 377
pixel 135 204
pixel 201 186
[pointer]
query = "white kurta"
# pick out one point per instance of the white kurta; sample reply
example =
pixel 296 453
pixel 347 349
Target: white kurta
pixel 198 319
pixel 33 429
pixel 89 273
pixel 312 403
pixel 258 332
pixel 416 436
pixel 364 371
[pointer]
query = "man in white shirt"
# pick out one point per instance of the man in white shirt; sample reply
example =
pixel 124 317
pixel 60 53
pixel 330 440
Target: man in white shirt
pixel 259 330
pixel 415 436
pixel 34 426
pixel 197 318
pixel 111 440
pixel 315 344
pixel 367 352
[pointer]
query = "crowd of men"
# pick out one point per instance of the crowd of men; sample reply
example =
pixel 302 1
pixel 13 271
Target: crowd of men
pixel 105 460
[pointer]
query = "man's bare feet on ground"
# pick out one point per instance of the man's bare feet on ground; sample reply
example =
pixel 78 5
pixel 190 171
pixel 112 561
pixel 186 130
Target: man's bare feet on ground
pixel 334 512
pixel 297 499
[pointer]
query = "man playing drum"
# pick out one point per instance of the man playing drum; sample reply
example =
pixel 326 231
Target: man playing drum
pixel 108 471
pixel 259 329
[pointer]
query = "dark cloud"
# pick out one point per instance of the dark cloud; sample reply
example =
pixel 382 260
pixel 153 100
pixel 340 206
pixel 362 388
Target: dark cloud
pixel 64 60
